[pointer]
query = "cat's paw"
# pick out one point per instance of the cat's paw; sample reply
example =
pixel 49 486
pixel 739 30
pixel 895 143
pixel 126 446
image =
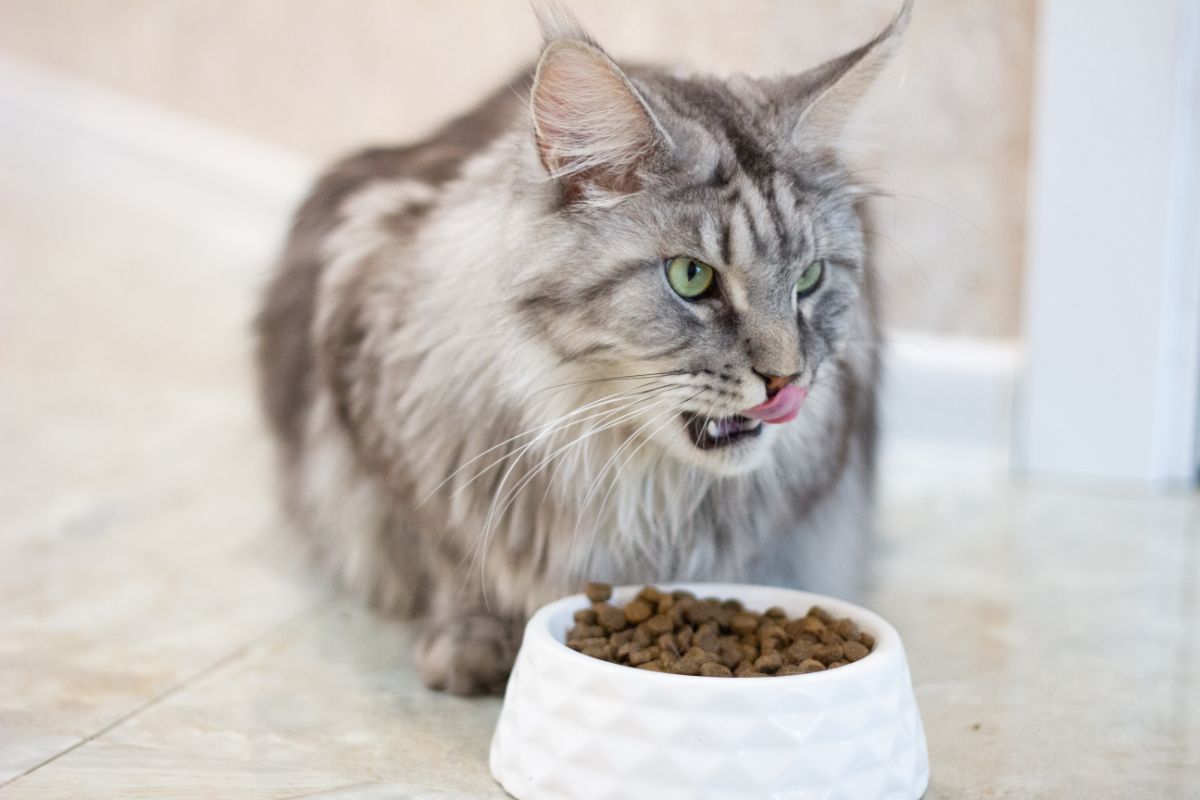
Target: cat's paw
pixel 469 654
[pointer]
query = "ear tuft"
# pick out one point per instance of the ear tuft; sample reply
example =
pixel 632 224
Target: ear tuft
pixel 823 98
pixel 592 127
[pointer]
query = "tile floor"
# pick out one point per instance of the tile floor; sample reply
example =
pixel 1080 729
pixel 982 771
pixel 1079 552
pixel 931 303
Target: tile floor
pixel 158 641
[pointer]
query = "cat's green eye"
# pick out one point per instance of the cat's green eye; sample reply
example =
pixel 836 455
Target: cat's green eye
pixel 688 277
pixel 810 278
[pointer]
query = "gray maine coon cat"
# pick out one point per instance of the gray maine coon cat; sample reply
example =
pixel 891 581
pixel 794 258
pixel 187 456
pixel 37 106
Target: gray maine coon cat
pixel 517 354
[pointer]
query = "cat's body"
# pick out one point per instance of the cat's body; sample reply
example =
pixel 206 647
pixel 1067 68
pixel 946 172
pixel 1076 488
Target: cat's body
pixel 476 374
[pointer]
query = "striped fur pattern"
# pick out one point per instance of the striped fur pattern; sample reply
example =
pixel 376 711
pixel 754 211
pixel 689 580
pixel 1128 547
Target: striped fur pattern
pixel 477 372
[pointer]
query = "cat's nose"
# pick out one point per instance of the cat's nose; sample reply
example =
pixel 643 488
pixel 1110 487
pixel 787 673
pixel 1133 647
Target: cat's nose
pixel 776 382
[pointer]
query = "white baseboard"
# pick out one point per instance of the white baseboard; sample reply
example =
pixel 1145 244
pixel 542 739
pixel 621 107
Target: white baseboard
pixel 940 394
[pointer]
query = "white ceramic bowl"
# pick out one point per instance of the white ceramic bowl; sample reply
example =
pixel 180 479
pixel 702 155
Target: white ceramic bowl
pixel 578 728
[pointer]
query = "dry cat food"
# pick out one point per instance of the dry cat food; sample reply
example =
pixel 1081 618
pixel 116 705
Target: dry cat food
pixel 681 633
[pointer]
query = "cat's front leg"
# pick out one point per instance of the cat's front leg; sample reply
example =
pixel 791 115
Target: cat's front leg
pixel 468 652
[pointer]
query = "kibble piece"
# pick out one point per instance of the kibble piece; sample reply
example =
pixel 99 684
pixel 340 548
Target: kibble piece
pixel 651 666
pixel 789 669
pixel 683 637
pixel 831 637
pixel 657 625
pixel 867 640
pixel 810 666
pixel 742 624
pixel 772 636
pixel 600 652
pixel 696 613
pixel 798 651
pixel 611 617
pixel 649 594
pixel 585 616
pixel 638 612
pixel 598 592
pixel 846 628
pixel 643 636
pixel 820 614
pixel 853 651
pixel 825 653
pixel 621 637
pixel 714 670
pixel 592 641
pixel 651 653
pixel 775 612
pixel 812 625
pixel 768 662
pixel 706 638
pixel 836 664
pixel 665 601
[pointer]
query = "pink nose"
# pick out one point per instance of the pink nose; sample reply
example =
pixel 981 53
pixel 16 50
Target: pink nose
pixel 782 407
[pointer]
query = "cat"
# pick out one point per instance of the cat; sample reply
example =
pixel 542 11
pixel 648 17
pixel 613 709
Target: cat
pixel 614 324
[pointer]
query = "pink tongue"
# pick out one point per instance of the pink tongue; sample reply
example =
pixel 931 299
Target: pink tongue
pixel 783 407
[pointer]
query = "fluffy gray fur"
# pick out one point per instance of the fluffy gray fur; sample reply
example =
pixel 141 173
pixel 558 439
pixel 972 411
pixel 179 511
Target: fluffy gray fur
pixel 476 368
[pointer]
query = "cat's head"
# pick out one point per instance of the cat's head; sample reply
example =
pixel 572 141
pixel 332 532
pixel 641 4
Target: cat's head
pixel 704 253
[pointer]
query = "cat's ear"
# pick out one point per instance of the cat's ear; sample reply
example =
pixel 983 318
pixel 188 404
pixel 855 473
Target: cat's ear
pixel 821 100
pixel 592 127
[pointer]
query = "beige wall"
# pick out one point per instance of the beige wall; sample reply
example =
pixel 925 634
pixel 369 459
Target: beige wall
pixel 323 76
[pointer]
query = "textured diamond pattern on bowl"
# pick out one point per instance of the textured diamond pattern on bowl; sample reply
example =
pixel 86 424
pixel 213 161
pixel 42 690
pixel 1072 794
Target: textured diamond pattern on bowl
pixel 575 728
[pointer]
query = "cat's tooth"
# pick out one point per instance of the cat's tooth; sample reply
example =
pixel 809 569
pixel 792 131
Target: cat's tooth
pixel 713 429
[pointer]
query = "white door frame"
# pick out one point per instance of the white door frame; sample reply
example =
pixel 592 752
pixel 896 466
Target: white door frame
pixel 1112 288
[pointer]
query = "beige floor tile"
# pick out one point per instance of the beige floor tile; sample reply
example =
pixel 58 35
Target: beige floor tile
pixel 337 692
pixel 101 771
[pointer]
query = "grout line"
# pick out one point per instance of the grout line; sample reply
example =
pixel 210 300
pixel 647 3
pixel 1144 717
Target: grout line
pixel 215 666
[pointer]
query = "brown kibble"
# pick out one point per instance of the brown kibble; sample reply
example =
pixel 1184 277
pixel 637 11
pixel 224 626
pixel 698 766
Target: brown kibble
pixel 673 631
pixel 696 613
pixel 820 614
pixel 638 612
pixel 683 637
pixel 593 641
pixel 846 628
pixel 730 653
pixel 651 653
pixel 831 637
pixel 658 624
pixel 706 638
pixel 853 651
pixel 714 670
pixel 826 653
pixel 772 634
pixel 649 594
pixel 611 617
pixel 598 592
pixel 768 662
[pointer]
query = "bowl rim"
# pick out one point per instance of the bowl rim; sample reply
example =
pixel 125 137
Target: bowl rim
pixel 887 639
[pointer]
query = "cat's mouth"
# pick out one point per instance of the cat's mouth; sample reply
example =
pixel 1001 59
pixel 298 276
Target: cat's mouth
pixel 709 433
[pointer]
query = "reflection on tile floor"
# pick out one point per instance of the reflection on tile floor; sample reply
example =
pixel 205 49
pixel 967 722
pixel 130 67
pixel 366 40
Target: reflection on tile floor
pixel 157 642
